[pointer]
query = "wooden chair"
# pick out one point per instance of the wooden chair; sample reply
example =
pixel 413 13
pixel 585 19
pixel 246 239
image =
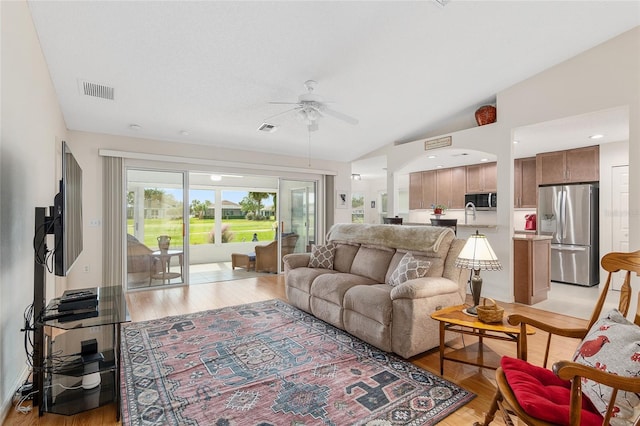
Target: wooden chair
pixel 505 399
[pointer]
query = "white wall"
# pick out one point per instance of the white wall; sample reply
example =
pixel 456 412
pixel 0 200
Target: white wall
pixel 32 130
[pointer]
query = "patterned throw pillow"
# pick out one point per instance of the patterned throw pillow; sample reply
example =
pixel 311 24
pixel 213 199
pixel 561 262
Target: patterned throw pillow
pixel 409 268
pixel 322 256
pixel 612 345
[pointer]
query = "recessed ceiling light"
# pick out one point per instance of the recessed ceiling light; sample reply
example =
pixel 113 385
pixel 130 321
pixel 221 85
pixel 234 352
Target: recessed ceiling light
pixel 439 166
pixel 432 156
pixel 135 127
pixel 596 136
pixel 484 160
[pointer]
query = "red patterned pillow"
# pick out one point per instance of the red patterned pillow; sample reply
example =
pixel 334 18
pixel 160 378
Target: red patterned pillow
pixel 409 268
pixel 612 345
pixel 322 256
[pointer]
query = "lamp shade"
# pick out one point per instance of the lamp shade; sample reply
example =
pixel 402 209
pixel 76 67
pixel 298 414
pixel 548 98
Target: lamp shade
pixel 477 254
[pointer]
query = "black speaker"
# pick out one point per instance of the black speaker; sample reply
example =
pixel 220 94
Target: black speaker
pixel 88 347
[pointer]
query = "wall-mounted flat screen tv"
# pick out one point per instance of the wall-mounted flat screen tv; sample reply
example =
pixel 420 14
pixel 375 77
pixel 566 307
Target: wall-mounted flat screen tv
pixel 67 217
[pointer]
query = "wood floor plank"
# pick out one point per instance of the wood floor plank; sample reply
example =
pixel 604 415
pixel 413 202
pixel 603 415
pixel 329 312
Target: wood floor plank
pixel 158 303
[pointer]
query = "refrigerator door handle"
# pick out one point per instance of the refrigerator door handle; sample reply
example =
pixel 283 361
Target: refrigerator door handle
pixel 561 247
pixel 563 213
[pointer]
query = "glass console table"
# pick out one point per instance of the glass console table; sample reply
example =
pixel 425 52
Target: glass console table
pixel 62 367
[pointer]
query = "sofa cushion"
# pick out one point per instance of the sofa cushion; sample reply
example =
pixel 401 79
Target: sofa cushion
pixel 345 253
pixel 409 268
pixel 372 262
pixel 612 345
pixel 333 287
pixel 301 278
pixel 322 256
pixel 371 301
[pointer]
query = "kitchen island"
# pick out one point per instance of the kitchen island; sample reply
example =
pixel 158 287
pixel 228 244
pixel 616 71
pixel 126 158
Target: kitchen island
pixel 531 267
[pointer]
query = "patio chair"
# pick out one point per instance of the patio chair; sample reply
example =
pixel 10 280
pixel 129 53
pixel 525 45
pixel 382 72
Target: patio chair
pixel 267 256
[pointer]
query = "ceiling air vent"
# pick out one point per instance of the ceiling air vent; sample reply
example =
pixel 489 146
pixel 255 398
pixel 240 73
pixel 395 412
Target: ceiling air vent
pixel 269 128
pixel 96 90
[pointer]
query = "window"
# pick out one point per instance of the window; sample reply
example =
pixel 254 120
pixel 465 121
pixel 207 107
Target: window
pixel 357 207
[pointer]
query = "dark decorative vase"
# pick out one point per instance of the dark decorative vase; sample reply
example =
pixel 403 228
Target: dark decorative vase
pixel 486 115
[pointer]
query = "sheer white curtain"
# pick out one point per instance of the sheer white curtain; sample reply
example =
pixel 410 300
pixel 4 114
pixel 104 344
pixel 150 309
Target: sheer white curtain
pixel 113 221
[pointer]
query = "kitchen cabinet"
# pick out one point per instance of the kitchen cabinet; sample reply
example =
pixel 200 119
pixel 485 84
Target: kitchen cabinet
pixel 482 178
pixel 531 267
pixel 415 191
pixel 441 186
pixel 429 179
pixel 570 166
pixel 450 187
pixel 422 189
pixel 458 187
pixel 525 188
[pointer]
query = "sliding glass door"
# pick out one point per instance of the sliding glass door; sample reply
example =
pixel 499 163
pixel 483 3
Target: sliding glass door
pixel 155 228
pixel 296 215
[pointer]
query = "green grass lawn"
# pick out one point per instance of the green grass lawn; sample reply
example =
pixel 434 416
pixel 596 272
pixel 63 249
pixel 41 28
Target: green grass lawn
pixel 200 229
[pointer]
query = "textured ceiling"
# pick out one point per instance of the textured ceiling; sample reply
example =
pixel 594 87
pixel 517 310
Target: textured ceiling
pixel 210 69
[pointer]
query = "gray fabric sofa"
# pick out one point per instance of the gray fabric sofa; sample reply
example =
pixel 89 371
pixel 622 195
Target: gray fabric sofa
pixel 354 296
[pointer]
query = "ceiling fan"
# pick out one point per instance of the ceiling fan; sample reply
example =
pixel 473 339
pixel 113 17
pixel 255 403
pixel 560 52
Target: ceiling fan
pixel 310 107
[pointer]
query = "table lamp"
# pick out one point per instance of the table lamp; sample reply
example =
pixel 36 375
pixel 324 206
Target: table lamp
pixel 477 255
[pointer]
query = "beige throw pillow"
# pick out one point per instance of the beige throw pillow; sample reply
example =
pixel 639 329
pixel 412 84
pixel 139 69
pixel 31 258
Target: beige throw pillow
pixel 409 268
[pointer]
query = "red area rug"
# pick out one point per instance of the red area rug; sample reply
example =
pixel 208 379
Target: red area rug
pixel 269 363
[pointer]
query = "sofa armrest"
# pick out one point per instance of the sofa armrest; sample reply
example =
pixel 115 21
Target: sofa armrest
pixel 424 287
pixel 296 260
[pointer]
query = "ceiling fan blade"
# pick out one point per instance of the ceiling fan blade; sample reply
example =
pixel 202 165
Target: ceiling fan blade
pixel 285 103
pixel 282 113
pixel 340 116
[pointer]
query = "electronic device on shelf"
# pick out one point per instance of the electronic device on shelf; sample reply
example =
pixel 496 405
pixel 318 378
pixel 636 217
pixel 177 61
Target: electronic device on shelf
pixel 80 294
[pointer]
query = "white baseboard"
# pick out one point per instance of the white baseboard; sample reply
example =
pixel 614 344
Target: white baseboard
pixel 7 405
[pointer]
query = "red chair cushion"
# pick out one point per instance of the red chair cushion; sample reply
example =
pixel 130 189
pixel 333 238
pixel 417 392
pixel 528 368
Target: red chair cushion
pixel 543 395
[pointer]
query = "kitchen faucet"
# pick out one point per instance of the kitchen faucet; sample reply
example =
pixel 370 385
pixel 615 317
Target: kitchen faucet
pixel 466 211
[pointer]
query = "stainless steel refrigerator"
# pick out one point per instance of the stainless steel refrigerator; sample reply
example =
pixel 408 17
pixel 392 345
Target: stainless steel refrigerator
pixel 570 214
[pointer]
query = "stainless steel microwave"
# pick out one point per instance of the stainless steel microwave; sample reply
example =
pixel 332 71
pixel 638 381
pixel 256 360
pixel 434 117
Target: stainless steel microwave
pixel 484 201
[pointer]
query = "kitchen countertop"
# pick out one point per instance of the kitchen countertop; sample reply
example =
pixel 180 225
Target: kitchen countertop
pixel 533 237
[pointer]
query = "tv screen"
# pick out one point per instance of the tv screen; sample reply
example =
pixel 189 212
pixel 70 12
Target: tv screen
pixel 68 214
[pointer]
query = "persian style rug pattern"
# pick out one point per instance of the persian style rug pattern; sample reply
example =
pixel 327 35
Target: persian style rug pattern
pixel 269 363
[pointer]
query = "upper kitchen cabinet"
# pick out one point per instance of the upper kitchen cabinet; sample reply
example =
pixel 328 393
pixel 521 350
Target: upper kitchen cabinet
pixel 422 189
pixel 482 178
pixel 415 191
pixel 441 186
pixel 525 183
pixel 458 187
pixel 571 166
pixel 429 180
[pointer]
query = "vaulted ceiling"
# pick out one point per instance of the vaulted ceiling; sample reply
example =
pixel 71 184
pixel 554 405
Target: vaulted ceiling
pixel 205 72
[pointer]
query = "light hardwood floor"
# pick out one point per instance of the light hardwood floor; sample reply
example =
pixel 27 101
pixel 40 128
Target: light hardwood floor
pixel 146 305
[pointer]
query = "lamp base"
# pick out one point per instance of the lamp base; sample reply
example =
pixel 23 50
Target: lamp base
pixel 471 311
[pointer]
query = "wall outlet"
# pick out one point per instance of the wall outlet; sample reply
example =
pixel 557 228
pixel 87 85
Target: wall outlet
pixel 86 269
pixel 94 223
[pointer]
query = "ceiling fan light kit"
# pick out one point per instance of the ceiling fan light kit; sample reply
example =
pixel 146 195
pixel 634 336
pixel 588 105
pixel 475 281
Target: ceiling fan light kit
pixel 310 108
